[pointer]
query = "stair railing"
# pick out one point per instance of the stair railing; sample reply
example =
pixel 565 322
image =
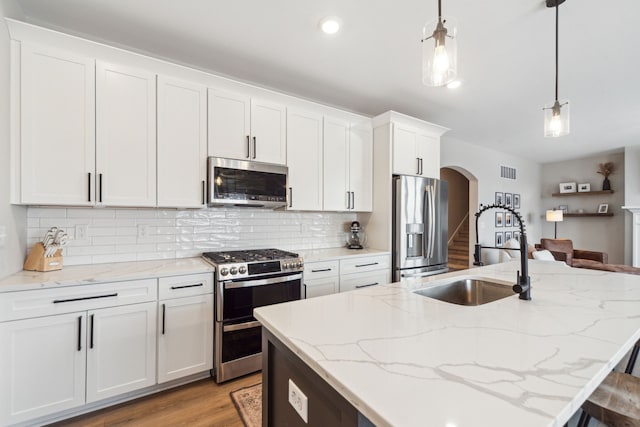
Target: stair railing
pixel 455 233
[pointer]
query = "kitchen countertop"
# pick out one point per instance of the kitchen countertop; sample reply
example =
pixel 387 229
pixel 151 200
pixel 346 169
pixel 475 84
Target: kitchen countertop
pixel 100 273
pixel 338 253
pixel 402 359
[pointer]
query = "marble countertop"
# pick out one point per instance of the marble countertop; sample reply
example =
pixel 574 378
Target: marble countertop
pixel 338 253
pixel 406 360
pixel 101 273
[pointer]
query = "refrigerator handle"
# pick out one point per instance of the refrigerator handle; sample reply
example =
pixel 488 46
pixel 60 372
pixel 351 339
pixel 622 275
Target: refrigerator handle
pixel 431 223
pixel 426 214
pixel 433 220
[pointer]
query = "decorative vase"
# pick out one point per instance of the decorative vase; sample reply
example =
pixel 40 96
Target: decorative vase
pixel 606 185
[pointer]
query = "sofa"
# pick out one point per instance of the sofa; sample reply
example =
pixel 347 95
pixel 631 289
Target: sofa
pixel 562 250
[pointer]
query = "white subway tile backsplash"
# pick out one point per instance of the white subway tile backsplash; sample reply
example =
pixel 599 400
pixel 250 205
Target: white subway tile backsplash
pixel 113 234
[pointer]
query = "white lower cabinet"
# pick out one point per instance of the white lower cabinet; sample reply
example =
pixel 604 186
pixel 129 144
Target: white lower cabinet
pixel 185 326
pixel 349 282
pixel 320 287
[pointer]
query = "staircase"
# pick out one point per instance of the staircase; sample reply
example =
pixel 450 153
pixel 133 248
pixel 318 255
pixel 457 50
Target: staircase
pixel 458 250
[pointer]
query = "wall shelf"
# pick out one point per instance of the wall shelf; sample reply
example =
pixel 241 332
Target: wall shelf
pixel 586 193
pixel 593 214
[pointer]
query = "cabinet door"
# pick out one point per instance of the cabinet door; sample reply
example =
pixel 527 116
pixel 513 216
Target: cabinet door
pixel 319 287
pixel 361 169
pixel 42 366
pixel 405 159
pixel 268 132
pixel 121 350
pixel 349 282
pixel 229 125
pixel 182 143
pixel 336 165
pixel 428 150
pixel 125 136
pixel 304 159
pixel 185 337
pixel 57 126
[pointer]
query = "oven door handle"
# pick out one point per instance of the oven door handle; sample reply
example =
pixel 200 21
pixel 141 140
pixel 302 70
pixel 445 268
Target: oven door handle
pixel 241 326
pixel 261 282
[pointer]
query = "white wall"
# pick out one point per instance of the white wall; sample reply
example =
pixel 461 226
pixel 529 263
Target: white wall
pixel 598 234
pixel 484 164
pixel 117 235
pixel 12 218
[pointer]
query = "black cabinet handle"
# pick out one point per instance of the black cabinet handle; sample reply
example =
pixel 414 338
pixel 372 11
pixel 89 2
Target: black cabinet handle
pixel 187 286
pixel 248 147
pixel 89 186
pixel 366 286
pixel 91 332
pixel 366 265
pixel 353 200
pixel 254 147
pixel 321 270
pixel 421 167
pixel 290 197
pixel 79 333
pixel 164 313
pixel 59 301
pixel 204 191
pixel 100 188
pixel 348 200
pixel 418 161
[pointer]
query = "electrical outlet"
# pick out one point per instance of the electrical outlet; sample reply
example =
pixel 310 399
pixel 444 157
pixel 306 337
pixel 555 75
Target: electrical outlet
pixel 82 232
pixel 299 401
pixel 143 230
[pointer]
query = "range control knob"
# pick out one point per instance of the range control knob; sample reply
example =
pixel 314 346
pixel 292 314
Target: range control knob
pixel 233 270
pixel 224 271
pixel 285 265
pixel 242 269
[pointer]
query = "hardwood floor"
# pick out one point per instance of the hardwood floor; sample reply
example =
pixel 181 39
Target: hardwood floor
pixel 199 404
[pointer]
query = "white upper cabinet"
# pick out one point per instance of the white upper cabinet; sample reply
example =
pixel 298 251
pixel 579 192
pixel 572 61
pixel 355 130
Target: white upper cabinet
pixel 348 167
pixel 57 119
pixel 182 143
pixel 304 159
pixel 246 129
pixel 416 151
pixel 125 136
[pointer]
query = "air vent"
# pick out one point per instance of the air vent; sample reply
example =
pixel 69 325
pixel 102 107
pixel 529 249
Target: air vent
pixel 507 172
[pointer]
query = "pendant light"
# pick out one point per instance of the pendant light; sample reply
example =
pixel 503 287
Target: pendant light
pixel 556 114
pixel 439 51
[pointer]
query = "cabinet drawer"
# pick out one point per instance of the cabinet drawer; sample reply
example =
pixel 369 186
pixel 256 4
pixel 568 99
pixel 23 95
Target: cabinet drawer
pixel 35 303
pixel 359 265
pixel 320 269
pixel 350 282
pixel 319 287
pixel 185 286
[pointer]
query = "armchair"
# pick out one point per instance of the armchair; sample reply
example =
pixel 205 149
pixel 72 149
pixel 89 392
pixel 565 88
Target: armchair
pixel 562 250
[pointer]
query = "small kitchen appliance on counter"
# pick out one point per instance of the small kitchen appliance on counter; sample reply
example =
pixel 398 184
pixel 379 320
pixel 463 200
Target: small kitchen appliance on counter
pixel 356 238
pixel 245 280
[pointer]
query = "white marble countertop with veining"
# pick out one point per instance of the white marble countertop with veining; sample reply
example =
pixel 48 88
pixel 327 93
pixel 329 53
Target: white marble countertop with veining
pixel 406 360
pixel 101 273
pixel 338 253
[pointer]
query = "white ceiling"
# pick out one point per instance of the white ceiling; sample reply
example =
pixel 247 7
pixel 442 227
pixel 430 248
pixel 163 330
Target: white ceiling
pixel 505 54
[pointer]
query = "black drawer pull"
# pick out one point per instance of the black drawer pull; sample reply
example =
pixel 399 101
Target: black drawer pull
pixel 366 286
pixel 89 187
pixel 366 265
pixel 58 301
pixel 321 270
pixel 91 334
pixel 187 286
pixel 79 333
pixel 164 315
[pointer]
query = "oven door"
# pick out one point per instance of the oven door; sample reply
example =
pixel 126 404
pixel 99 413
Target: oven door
pixel 237 299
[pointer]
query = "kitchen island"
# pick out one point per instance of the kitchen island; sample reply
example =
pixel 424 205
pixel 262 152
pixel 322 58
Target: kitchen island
pixel 402 359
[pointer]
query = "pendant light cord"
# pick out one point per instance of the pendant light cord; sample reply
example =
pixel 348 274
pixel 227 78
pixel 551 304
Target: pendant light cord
pixel 557 2
pixel 439 10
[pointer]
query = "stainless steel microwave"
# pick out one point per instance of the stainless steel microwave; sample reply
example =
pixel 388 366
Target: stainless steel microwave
pixel 247 184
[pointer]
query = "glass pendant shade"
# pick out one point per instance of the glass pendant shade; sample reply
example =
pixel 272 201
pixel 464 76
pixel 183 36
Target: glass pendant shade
pixel 556 119
pixel 439 52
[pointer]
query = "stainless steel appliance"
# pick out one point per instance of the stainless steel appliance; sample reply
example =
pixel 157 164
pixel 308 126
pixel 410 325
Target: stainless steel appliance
pixel 243 183
pixel 420 208
pixel 245 280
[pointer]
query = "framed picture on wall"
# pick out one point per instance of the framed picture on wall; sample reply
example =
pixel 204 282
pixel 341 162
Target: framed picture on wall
pixel 507 199
pixel 567 187
pixel 499 219
pixel 516 235
pixel 508 235
pixel 499 198
pixel 516 201
pixel 508 219
pixel 499 239
pixel 603 208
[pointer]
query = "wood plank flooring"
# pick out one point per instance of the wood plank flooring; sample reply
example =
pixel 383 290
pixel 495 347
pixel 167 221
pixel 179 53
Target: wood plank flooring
pixel 200 404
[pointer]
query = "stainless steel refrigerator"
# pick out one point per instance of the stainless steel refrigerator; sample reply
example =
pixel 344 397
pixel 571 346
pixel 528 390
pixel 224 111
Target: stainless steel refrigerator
pixel 420 223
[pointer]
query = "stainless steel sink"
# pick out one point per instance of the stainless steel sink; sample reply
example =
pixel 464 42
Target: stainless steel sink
pixel 468 291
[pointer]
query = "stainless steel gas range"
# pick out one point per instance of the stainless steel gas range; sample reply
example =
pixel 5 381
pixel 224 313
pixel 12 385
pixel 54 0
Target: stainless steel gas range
pixel 246 280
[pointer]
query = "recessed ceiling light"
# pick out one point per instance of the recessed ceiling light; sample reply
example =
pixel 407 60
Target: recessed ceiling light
pixel 454 84
pixel 330 24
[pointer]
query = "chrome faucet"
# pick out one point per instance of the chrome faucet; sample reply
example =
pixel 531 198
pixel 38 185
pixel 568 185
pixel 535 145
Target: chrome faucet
pixel 523 281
